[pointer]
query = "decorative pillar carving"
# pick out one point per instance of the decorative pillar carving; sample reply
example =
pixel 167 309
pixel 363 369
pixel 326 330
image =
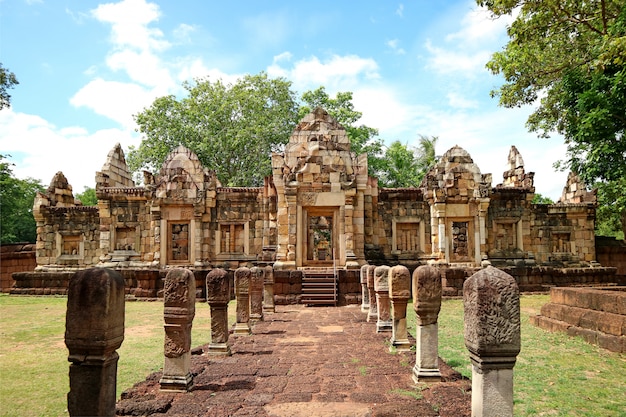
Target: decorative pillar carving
pixel 268 290
pixel 94 330
pixel 381 286
pixel 242 294
pixel 256 294
pixel 493 338
pixel 399 293
pixel 372 313
pixel 218 297
pixel 365 295
pixel 179 310
pixel 426 303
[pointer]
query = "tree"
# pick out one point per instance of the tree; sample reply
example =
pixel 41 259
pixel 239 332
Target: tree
pixel 7 81
pixel 233 128
pixel 363 139
pixel 88 197
pixel 16 205
pixel 404 166
pixel 540 199
pixel 572 55
pixel 610 220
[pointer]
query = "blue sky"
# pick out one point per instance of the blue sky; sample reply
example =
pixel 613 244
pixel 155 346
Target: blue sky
pixel 85 67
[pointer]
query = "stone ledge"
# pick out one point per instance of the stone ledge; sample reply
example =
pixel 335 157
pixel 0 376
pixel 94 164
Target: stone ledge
pixel 603 340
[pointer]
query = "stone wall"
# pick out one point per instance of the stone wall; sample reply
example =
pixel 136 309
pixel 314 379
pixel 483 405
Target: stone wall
pixel 612 252
pixel 15 257
pixel 597 315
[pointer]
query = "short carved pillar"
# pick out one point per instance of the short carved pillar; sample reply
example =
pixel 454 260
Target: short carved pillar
pixel 218 296
pixel 242 294
pixel 268 290
pixel 94 330
pixel 399 294
pixel 372 313
pixel 381 287
pixel 365 295
pixel 426 303
pixel 492 336
pixel 179 299
pixel 256 294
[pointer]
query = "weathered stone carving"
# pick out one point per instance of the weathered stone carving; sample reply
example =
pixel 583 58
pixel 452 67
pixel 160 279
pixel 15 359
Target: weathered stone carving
pixel 426 303
pixel 242 294
pixel 372 313
pixel 179 299
pixel 365 295
pixel 218 297
pixel 381 287
pixel 268 290
pixel 256 294
pixel 399 294
pixel 492 336
pixel 94 330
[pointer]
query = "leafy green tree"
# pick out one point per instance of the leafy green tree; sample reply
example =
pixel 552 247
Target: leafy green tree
pixel 540 199
pixel 404 166
pixel 233 128
pixel 7 81
pixel 16 205
pixel 363 139
pixel 610 220
pixel 88 197
pixel 571 56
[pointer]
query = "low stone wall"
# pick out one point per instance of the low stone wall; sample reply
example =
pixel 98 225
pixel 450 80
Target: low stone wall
pixel 598 315
pixel 288 287
pixel 536 279
pixel 612 252
pixel 17 257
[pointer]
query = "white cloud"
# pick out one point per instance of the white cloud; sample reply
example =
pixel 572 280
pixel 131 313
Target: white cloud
pixel 267 29
pixel 466 51
pixel 113 99
pixel 40 149
pixel 129 20
pixel 458 101
pixel 453 61
pixel 142 67
pixel 338 73
pixel 400 10
pixel 394 45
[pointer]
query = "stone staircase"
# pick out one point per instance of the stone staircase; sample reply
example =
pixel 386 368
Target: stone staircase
pixel 319 286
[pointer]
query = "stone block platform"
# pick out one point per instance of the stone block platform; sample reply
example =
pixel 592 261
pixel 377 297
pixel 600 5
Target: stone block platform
pixel 305 361
pixel 598 315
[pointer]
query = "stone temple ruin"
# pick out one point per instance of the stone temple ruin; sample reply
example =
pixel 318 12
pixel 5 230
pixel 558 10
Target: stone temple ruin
pixel 319 217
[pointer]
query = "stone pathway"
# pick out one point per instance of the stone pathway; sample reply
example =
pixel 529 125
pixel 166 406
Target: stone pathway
pixel 306 361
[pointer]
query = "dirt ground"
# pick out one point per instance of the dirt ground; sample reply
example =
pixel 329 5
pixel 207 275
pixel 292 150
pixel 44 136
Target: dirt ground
pixel 305 361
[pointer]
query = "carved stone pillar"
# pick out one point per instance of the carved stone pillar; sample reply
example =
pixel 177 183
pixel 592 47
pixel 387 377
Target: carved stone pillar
pixel 218 296
pixel 492 336
pixel 381 287
pixel 268 290
pixel 399 294
pixel 365 295
pixel 256 294
pixel 94 330
pixel 426 303
pixel 242 294
pixel 179 299
pixel 372 313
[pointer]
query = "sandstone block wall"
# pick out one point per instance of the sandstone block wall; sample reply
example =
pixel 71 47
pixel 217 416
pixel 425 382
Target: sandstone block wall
pixel 597 315
pixel 17 257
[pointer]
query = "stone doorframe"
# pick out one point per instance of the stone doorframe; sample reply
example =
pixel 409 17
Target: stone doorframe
pixel 337 250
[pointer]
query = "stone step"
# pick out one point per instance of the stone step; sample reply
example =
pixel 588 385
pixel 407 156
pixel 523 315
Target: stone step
pixel 605 341
pixel 608 323
pixel 609 300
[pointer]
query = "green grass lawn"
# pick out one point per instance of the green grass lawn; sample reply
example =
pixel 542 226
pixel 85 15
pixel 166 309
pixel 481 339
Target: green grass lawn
pixel 555 375
pixel 34 369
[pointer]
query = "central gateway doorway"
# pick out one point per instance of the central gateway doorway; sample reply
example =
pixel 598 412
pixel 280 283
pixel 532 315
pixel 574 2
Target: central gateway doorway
pixel 319 243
